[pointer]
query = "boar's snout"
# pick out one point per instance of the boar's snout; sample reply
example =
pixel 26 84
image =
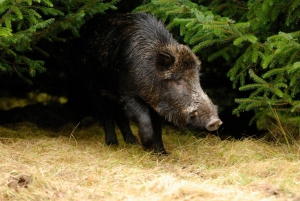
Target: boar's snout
pixel 198 121
pixel 213 124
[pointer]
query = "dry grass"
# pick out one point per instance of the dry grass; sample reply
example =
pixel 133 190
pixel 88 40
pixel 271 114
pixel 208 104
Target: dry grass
pixel 36 166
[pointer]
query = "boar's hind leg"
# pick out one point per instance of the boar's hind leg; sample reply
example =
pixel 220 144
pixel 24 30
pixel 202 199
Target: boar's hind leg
pixel 109 129
pixel 123 123
pixel 149 125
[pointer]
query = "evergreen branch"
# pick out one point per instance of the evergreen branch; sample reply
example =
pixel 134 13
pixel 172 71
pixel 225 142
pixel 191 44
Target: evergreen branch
pixel 252 86
pixel 222 52
pixel 296 106
pixel 256 78
pixel 65 24
pixel 248 37
pixel 205 44
pixel 294 67
pixel 25 26
pixel 4 32
pixel 274 72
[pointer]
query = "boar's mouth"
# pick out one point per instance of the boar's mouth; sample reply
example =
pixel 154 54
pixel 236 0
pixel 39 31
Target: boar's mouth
pixel 214 124
pixel 173 116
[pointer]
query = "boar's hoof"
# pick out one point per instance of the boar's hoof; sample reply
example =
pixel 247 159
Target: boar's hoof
pixel 112 141
pixel 160 153
pixel 214 124
pixel 157 150
pixel 131 140
pixel 163 153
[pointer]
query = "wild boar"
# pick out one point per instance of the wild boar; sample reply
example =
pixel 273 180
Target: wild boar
pixel 135 59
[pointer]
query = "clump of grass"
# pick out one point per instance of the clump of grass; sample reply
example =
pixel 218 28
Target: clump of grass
pixel 281 127
pixel 82 167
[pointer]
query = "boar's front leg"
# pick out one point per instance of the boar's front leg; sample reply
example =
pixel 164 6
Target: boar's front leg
pixel 148 122
pixel 109 130
pixel 157 137
pixel 124 126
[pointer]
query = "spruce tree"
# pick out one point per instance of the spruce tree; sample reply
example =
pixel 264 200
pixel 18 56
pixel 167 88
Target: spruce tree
pixel 24 23
pixel 260 39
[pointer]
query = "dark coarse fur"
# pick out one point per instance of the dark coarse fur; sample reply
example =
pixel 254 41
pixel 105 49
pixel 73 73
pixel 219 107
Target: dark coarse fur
pixel 134 67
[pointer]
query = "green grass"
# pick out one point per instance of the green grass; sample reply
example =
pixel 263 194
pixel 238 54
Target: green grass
pixel 42 165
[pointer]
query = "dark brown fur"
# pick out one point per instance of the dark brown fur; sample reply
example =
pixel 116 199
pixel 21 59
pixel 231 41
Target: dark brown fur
pixel 136 60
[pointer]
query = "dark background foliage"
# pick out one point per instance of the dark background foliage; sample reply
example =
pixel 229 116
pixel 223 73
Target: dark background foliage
pixel 219 56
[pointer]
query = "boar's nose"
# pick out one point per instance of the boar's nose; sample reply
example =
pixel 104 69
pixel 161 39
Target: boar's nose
pixel 214 124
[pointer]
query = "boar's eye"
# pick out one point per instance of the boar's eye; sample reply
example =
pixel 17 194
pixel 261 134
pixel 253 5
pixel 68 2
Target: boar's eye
pixel 178 82
pixel 165 60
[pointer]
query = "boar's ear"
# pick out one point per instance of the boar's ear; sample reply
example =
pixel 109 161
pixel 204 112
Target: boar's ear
pixel 165 60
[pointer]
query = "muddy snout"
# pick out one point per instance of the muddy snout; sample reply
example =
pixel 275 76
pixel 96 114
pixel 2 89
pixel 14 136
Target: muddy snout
pixel 213 124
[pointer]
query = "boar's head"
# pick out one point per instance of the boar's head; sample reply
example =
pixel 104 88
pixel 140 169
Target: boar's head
pixel 165 75
pixel 175 91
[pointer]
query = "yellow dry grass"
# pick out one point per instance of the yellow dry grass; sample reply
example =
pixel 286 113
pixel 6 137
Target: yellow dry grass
pixel 37 166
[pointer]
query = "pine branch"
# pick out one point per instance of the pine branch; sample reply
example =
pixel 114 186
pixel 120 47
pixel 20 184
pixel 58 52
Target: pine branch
pixel 25 22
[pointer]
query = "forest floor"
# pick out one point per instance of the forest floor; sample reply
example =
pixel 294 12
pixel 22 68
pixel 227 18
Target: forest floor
pixel 37 164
